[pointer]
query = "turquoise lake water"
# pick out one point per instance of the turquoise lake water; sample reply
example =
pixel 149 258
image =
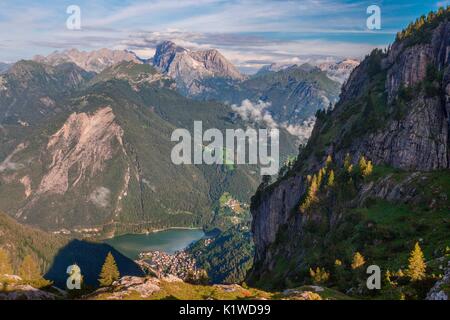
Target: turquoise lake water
pixel 168 241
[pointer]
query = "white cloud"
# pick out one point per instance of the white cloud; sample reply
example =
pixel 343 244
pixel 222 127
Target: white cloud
pixel 255 112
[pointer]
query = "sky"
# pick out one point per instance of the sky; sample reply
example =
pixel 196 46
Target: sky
pixel 250 33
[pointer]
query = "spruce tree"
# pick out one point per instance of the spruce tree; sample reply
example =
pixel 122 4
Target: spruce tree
pixel 417 265
pixel 110 272
pixel 29 269
pixel 5 263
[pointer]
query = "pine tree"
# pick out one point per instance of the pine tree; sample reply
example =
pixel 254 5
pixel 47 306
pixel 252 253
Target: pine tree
pixel 29 269
pixel 110 272
pixel 417 265
pixel 5 263
pixel 330 181
pixel 358 261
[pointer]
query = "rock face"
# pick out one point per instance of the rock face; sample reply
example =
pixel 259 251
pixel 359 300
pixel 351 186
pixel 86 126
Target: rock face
pixel 413 135
pixel 438 292
pixel 191 68
pixel 85 141
pixel 420 139
pixel 77 154
pixel 95 61
pixel 273 212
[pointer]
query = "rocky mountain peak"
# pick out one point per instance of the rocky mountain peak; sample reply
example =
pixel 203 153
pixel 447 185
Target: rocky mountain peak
pixel 191 68
pixel 165 53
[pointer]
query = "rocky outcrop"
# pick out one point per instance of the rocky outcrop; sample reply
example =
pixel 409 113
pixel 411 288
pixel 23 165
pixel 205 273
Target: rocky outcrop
pixel 441 290
pixel 13 288
pixel 125 286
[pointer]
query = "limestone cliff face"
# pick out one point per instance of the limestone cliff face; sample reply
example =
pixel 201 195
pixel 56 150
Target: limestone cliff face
pixel 273 212
pixel 415 139
pixel 420 139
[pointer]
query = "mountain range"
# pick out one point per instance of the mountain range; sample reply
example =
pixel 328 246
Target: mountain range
pixel 85 149
pixel 72 125
pixel 91 61
pixel 90 152
pixel 292 93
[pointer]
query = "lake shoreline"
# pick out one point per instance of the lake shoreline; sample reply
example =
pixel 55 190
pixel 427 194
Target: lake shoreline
pixel 110 236
pixel 168 240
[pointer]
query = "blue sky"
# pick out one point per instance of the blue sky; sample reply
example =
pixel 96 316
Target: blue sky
pixel 249 32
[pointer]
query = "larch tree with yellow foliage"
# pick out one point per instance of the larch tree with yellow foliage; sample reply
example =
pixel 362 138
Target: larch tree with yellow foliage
pixel 417 264
pixel 358 261
pixel 29 269
pixel 368 169
pixel 311 196
pixel 5 263
pixel 110 271
pixel 319 275
pixel 362 164
pixel 330 181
